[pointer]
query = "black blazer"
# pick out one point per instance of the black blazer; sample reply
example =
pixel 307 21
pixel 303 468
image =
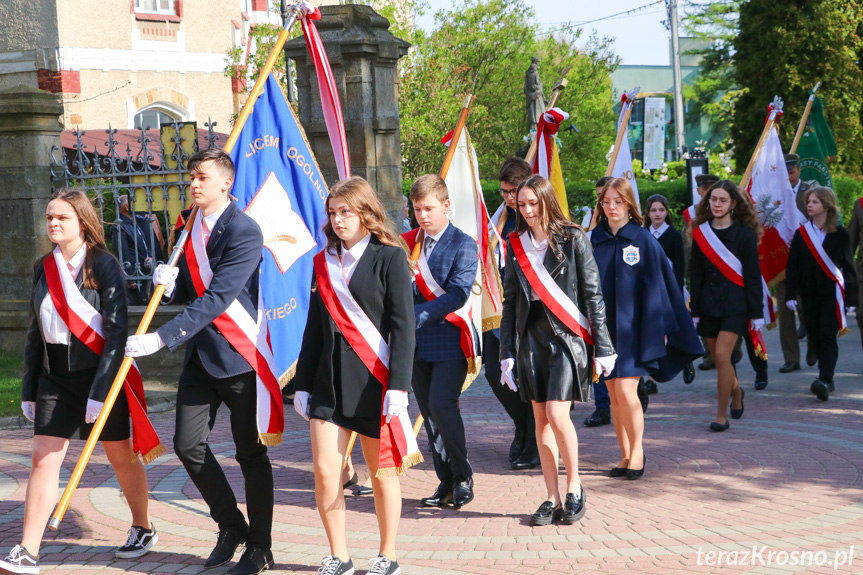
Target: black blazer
pixel 712 294
pixel 234 251
pixel 672 244
pixel 577 275
pixel 381 285
pixel 804 276
pixel 110 300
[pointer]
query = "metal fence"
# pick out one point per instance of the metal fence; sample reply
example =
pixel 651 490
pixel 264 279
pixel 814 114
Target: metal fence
pixel 139 191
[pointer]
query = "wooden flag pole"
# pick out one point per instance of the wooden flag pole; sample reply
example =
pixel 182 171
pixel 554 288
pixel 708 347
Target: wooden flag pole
pixel 84 458
pixel 771 121
pixel 555 95
pixel 621 133
pixel 804 119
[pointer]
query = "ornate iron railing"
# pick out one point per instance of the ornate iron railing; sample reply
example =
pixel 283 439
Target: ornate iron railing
pixel 152 174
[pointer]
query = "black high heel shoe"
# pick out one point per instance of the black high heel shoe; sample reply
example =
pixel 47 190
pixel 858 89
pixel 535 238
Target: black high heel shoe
pixel 738 413
pixel 634 474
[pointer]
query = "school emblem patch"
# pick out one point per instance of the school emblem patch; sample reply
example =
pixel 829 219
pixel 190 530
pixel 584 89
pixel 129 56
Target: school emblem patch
pixel 631 255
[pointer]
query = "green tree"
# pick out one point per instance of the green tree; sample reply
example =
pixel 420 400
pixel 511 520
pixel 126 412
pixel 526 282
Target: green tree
pixel 784 49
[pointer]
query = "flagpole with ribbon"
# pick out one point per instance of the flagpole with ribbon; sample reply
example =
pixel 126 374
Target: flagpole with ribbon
pixel 90 445
pixel 804 119
pixel 775 112
pixel 555 94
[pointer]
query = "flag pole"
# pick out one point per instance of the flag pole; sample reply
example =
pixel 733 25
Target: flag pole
pixel 555 94
pixel 804 119
pixel 114 392
pixel 775 113
pixel 621 133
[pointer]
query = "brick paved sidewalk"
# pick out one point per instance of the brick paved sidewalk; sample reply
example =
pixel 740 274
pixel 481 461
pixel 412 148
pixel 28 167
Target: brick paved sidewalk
pixel 787 476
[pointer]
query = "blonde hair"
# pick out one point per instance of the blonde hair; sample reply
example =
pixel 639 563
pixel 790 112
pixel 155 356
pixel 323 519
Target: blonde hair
pixel 429 185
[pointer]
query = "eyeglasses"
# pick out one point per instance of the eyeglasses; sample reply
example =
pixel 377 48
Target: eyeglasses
pixel 610 203
pixel 511 192
pixel 344 214
pixel 719 201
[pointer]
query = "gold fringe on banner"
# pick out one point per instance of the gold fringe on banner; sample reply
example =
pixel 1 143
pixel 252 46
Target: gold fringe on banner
pixel 270 439
pixel 408 461
pixel 844 331
pixel 286 377
pixel 154 454
pixel 474 364
pixel 490 323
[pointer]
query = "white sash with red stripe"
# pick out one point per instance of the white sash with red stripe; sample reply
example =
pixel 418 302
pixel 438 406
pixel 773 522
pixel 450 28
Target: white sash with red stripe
pixel 689 214
pixel 246 334
pixel 830 268
pixel 398 446
pixel 732 268
pixel 85 323
pixel 554 298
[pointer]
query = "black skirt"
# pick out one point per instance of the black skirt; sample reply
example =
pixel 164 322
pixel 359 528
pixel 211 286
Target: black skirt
pixel 546 370
pixel 362 425
pixel 61 402
pixel 710 326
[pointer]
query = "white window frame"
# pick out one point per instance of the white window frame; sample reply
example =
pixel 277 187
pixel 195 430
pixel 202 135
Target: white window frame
pixel 167 11
pixel 164 107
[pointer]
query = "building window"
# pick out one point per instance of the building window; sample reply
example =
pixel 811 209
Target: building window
pixel 154 117
pixel 155 6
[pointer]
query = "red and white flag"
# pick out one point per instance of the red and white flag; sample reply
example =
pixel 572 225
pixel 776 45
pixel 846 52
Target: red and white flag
pixel 546 128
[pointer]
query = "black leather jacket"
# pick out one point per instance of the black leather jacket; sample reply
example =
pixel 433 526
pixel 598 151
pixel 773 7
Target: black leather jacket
pixel 110 300
pixel 578 276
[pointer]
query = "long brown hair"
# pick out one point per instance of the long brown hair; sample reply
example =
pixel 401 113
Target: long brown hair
pixel 551 216
pixel 649 203
pixel 624 189
pixel 91 225
pixel 743 211
pixel 828 200
pixel 363 201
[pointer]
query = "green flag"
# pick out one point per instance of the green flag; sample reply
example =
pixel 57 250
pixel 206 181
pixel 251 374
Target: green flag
pixel 816 145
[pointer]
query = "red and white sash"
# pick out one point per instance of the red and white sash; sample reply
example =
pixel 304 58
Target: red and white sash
pixel 830 268
pixel 689 214
pixel 246 334
pixel 462 318
pixel 554 298
pixel 398 446
pixel 85 323
pixel 732 268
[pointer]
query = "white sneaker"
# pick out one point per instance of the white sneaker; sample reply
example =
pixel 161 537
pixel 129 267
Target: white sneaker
pixel 138 542
pixel 20 561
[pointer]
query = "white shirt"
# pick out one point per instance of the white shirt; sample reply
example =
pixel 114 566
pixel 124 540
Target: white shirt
pixel 796 188
pixel 436 239
pixel 212 219
pixel 54 329
pixel 660 230
pixel 350 257
pixel 539 250
pixel 817 234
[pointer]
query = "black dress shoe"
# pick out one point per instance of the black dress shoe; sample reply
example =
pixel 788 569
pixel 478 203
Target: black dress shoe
pixel 462 493
pixel 688 373
pixel 574 506
pixel 441 496
pixel 225 548
pixel 517 446
pixel 738 413
pixel 352 481
pixel 650 387
pixel 255 560
pixel 760 380
pixel 528 459
pixel 643 397
pixel 811 357
pixel 706 365
pixel 830 387
pixel 597 418
pixel 546 513
pixel 789 366
pixel 820 389
pixel 714 426
pixel 618 472
pixel 633 474
pixel 361 490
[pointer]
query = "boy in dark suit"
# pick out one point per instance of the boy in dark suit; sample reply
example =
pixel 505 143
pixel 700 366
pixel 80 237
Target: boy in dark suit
pixel 214 372
pixel 440 364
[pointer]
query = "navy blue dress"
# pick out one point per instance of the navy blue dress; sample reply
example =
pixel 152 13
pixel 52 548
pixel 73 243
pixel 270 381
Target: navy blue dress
pixel 644 305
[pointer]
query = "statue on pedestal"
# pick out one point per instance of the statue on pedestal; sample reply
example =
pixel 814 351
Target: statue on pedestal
pixel 533 94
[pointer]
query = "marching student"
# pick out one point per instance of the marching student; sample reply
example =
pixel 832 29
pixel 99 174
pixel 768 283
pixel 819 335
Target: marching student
pixel 726 285
pixel 73 352
pixel 551 278
pixel 649 324
pixel 445 337
pixel 357 352
pixel 820 272
pixel 523 452
pixel 227 360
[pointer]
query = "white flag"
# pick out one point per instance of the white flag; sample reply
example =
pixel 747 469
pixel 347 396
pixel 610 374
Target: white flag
pixel 771 191
pixel 623 164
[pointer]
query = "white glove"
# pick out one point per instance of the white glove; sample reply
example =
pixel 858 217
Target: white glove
pixel 852 309
pixel 756 324
pixel 506 377
pixel 301 404
pixel 604 365
pixel 93 409
pixel 166 276
pixel 147 344
pixel 695 321
pixel 29 409
pixel 791 304
pixel 395 403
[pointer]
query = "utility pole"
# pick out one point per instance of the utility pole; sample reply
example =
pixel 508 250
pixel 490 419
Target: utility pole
pixel 679 120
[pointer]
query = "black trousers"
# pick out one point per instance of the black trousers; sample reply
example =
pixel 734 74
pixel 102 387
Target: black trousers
pixel 822 329
pixel 519 411
pixel 437 387
pixel 198 399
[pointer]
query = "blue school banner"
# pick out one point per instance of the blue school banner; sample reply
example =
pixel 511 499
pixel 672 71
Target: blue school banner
pixel 278 183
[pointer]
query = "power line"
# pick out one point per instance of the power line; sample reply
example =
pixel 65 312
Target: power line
pixel 618 14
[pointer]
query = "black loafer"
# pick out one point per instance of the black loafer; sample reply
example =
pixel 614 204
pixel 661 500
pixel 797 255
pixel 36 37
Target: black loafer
pixel 738 413
pixel 462 493
pixel 529 458
pixel 714 426
pixel 574 506
pixel 254 560
pixel 633 474
pixel 820 389
pixel 789 366
pixel 618 472
pixel 225 548
pixel 441 496
pixel 546 513
pixel 760 381
pixel 597 418
pixel 361 490
pixel 352 481
pixel 688 373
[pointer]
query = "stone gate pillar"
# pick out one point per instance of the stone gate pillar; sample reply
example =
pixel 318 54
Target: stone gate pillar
pixel 364 55
pixel 29 127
